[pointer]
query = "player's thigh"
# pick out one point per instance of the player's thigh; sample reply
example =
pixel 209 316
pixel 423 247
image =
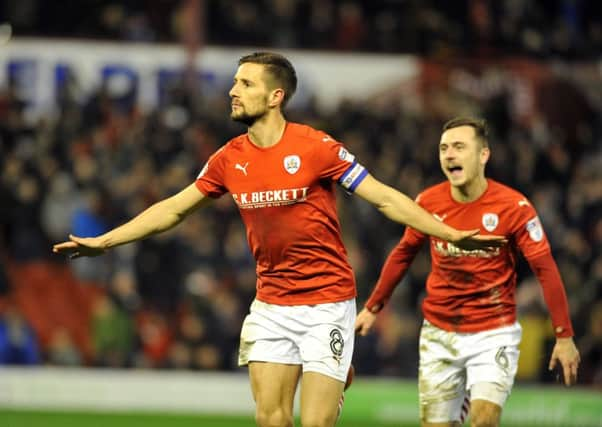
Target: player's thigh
pixel 270 333
pixel 441 377
pixel 493 363
pixel 491 369
pixel 274 386
pixel 327 346
pixel 320 396
pixel 484 413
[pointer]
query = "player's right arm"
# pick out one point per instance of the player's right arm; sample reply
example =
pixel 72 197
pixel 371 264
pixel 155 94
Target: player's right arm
pixel 395 267
pixel 157 218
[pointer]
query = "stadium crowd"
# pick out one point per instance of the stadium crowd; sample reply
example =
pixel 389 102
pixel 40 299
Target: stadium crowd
pixel 438 28
pixel 177 301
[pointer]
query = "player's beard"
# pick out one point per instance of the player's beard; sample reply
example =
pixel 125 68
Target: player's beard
pixel 250 118
pixel 246 118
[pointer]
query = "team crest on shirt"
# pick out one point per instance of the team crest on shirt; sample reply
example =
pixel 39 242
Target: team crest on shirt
pixel 292 163
pixel 535 230
pixel 490 221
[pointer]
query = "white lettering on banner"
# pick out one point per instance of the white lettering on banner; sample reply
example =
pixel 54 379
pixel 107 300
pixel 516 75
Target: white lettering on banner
pixel 270 198
pixel 449 249
pixel 152 69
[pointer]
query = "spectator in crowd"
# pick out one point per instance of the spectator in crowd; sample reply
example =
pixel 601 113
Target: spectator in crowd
pixel 18 342
pixel 427 27
pixel 112 333
pixel 62 350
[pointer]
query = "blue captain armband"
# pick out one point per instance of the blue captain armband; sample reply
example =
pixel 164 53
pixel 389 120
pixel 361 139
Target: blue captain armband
pixel 352 177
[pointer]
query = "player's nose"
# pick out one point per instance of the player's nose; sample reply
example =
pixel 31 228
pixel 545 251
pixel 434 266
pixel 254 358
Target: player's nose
pixel 450 155
pixel 232 92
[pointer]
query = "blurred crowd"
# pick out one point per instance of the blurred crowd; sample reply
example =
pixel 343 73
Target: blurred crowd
pixel 438 28
pixel 177 301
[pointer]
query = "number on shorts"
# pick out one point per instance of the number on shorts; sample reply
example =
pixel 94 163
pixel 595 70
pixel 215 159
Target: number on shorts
pixel 336 343
pixel 501 358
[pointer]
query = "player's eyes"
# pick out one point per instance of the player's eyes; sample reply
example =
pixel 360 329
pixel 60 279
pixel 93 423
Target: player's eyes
pixel 245 83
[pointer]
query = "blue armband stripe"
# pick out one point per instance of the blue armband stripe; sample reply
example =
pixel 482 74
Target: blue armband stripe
pixel 363 174
pixel 353 176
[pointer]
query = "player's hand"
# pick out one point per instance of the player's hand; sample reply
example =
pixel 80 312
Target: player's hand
pixel 471 240
pixel 364 321
pixel 80 246
pixel 567 355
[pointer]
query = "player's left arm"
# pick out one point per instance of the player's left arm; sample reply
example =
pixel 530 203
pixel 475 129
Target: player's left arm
pixel 534 245
pixel 400 208
pixel 565 352
pixel 333 161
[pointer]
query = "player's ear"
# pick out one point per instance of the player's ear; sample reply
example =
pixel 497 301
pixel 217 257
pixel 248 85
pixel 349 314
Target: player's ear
pixel 484 156
pixel 276 97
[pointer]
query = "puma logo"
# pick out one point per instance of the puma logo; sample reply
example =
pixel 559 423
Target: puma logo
pixel 440 218
pixel 242 168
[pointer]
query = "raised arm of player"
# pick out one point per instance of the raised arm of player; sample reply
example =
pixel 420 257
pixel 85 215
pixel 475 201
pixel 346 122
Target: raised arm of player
pixel 400 208
pixel 565 352
pixel 157 218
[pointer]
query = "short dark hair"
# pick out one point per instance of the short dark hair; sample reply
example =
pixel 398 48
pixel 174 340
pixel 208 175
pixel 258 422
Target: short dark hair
pixel 481 129
pixel 280 68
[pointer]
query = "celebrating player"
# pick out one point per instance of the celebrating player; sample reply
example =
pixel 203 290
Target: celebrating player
pixel 470 336
pixel 281 176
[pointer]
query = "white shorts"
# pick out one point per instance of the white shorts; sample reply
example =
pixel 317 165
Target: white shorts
pixel 320 337
pixel 457 366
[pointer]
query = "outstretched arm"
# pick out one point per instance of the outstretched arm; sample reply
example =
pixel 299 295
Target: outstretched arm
pixel 400 208
pixel 157 218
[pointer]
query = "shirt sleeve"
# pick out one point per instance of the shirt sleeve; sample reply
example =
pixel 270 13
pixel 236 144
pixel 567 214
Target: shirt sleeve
pixel 547 273
pixel 533 243
pixel 337 163
pixel 396 265
pixel 210 180
pixel 528 231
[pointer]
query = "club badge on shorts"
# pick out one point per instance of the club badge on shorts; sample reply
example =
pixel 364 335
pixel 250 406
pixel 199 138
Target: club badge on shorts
pixel 292 163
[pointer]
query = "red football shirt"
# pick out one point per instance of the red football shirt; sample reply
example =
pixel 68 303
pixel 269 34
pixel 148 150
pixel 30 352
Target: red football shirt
pixel 286 197
pixel 471 291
